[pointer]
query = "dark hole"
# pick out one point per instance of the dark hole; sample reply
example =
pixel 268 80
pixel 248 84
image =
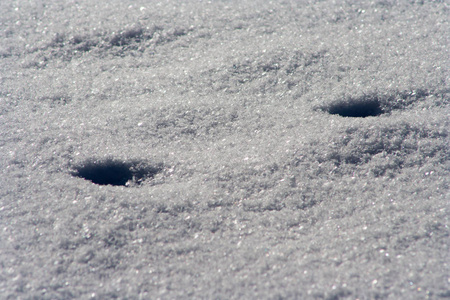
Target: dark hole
pixel 114 172
pixel 356 109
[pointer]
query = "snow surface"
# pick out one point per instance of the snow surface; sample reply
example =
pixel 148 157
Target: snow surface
pixel 259 149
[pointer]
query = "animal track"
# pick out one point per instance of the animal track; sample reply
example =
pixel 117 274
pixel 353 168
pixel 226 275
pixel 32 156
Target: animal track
pixel 372 105
pixel 115 172
pixel 356 109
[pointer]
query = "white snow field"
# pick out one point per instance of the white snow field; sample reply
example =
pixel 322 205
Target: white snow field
pixel 224 149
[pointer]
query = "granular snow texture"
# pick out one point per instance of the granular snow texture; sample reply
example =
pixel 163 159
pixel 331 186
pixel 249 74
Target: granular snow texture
pixel 224 149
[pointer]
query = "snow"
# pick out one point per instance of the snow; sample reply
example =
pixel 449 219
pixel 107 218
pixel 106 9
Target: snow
pixel 282 149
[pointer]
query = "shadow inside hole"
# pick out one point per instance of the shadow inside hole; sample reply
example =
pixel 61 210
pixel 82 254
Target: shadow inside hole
pixel 356 109
pixel 113 172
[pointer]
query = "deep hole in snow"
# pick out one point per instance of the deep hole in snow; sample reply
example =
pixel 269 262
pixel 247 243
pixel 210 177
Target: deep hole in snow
pixel 356 108
pixel 113 172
